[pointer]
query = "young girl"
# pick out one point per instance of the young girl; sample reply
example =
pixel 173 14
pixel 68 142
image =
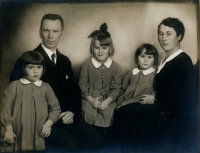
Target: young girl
pixel 28 108
pixel 137 89
pixel 100 81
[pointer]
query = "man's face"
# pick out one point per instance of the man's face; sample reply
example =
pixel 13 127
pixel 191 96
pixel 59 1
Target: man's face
pixel 51 32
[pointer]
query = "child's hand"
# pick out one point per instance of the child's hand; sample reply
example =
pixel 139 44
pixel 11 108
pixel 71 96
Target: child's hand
pixel 46 130
pixel 96 103
pixel 147 99
pixel 9 137
pixel 104 105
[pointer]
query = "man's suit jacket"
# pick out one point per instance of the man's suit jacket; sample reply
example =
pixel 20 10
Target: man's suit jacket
pixel 69 95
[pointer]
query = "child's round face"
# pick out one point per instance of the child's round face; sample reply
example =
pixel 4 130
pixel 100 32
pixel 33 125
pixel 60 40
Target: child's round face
pixel 145 61
pixel 101 53
pixel 34 72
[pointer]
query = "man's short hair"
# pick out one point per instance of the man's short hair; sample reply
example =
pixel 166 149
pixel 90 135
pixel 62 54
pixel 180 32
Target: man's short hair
pixel 53 17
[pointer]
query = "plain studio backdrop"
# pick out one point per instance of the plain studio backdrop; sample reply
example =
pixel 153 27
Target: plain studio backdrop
pixel 130 24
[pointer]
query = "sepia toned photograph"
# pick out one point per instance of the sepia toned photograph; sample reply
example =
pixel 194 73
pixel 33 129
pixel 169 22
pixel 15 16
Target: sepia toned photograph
pixel 99 76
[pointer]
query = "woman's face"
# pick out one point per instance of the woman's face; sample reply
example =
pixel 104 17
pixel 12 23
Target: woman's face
pixel 168 39
pixel 101 53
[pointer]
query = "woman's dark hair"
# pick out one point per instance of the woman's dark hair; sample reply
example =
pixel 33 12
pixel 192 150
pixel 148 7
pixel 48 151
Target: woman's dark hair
pixel 31 57
pixel 176 24
pixel 150 50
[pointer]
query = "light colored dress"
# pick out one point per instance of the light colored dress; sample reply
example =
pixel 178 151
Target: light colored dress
pixel 135 84
pixel 98 80
pixel 26 106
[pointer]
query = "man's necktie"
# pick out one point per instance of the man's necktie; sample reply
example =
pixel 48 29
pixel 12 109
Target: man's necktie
pixel 53 58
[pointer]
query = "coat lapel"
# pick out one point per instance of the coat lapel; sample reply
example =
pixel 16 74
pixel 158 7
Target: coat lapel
pixel 61 66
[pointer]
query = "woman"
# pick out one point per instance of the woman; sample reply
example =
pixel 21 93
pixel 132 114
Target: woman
pixel 174 83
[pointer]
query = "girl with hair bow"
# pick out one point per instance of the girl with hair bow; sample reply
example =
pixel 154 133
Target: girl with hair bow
pixel 100 81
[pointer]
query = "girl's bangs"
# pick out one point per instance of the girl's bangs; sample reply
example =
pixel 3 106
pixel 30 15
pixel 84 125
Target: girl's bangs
pixel 104 42
pixel 35 61
pixel 149 52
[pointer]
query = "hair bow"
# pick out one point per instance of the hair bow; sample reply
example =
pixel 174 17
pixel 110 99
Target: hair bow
pixel 102 31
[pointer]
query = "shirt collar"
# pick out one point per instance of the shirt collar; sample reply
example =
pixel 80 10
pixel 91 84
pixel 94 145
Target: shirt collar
pixel 97 64
pixel 38 83
pixel 145 72
pixel 48 51
pixel 169 59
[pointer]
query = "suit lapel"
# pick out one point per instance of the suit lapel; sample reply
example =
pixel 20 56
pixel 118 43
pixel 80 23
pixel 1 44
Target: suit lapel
pixel 44 54
pixel 48 62
pixel 61 65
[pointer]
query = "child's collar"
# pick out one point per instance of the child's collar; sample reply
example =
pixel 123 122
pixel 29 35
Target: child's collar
pixel 145 72
pixel 97 64
pixel 25 81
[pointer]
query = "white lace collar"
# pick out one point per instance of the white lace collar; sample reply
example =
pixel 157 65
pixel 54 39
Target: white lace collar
pixel 145 72
pixel 97 64
pixel 25 81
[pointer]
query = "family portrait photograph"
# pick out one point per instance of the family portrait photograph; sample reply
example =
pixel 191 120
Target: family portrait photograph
pixel 99 76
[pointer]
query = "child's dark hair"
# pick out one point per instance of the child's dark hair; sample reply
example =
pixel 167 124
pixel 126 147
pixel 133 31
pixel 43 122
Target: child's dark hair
pixel 150 50
pixel 174 23
pixel 31 57
pixel 103 36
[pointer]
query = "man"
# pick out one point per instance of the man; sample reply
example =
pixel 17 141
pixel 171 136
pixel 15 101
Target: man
pixel 70 131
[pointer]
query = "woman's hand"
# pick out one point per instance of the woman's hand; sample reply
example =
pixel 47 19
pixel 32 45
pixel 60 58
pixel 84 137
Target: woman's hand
pixel 9 136
pixel 147 99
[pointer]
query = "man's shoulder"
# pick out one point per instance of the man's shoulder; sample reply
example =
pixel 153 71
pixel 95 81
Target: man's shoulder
pixel 38 48
pixel 62 56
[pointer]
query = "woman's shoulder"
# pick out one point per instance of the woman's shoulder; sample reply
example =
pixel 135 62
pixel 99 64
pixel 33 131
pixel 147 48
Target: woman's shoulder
pixel 182 60
pixel 184 56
